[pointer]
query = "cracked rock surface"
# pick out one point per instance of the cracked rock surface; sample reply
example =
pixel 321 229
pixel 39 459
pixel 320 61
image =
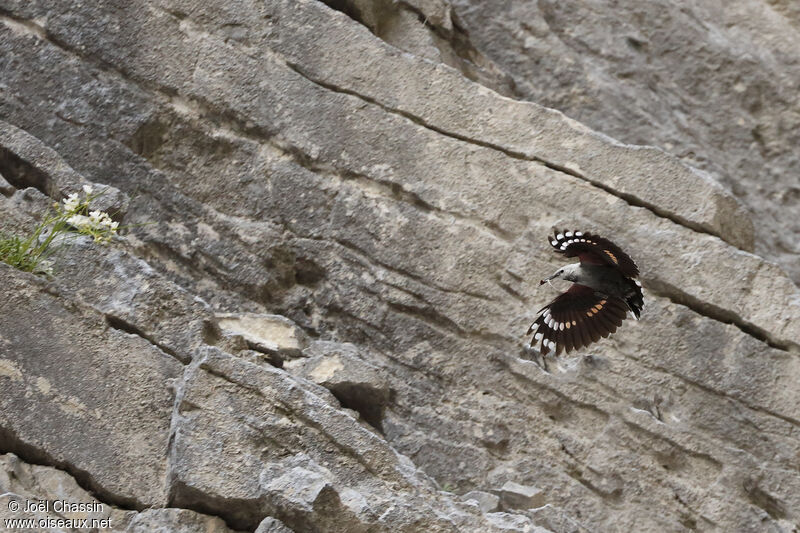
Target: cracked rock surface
pixel 315 319
pixel 714 83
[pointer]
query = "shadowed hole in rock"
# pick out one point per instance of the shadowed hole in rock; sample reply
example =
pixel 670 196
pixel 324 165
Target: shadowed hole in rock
pixel 211 333
pixel 22 174
pixel 347 7
pixel 368 402
pixel 149 138
pixel 688 522
pixel 307 272
pixel 269 356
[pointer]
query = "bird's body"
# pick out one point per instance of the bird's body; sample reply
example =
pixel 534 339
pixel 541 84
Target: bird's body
pixel 603 291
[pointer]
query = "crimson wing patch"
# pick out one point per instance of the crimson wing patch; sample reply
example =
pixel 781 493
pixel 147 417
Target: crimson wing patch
pixel 592 249
pixel 575 319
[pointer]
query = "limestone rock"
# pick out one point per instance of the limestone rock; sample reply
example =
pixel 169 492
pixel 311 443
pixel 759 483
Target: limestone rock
pixel 341 369
pixel 134 298
pixel 256 419
pixel 515 496
pixel 282 159
pixel 272 525
pixel 6 189
pixel 487 502
pixel 80 394
pixel 28 162
pixel 268 333
pixel 690 80
pixel 22 482
pixel 548 137
pixel 174 521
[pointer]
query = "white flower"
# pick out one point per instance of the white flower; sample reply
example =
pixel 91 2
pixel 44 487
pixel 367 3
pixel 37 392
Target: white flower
pixel 87 189
pixel 72 202
pixel 80 222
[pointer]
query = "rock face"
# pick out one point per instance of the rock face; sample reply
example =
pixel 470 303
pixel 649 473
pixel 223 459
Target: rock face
pixel 21 482
pixel 315 319
pixel 713 83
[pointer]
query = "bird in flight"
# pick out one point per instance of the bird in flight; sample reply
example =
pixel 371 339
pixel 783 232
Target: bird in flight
pixel 603 291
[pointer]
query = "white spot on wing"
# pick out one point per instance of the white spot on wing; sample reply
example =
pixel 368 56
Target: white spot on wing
pixel 560 236
pixel 578 233
pixel 568 234
pixel 537 337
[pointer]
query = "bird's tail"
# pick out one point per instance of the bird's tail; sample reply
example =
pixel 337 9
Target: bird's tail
pixel 635 298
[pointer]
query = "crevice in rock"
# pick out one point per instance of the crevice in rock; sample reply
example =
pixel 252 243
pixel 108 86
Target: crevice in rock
pixel 760 498
pixel 630 199
pixel 365 400
pixel 726 316
pixel 455 49
pixel 38 458
pixel 403 273
pixel 470 61
pixel 611 498
pixel 384 188
pixel 10 442
pixel 675 444
pixel 343 317
pixel 272 357
pixel 344 447
pixel 238 514
pixel 511 292
pixel 148 139
pixel 21 174
pixel 710 390
pixel 120 324
pixel 169 92
pixel 689 519
pixel 212 333
pixel 349 8
pixel 240 127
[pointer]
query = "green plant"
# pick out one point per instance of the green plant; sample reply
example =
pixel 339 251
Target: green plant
pixel 31 253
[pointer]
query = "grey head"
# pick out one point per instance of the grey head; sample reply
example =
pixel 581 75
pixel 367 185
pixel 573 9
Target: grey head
pixel 567 272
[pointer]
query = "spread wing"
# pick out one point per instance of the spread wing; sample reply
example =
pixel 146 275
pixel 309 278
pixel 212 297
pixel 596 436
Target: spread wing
pixel 592 249
pixel 576 318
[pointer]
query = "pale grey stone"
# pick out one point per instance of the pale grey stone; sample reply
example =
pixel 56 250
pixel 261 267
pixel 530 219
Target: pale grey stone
pixel 515 496
pixel 487 501
pixel 268 333
pixel 349 375
pixel 272 525
pixel 24 482
pixel 81 394
pixel 693 80
pixel 28 162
